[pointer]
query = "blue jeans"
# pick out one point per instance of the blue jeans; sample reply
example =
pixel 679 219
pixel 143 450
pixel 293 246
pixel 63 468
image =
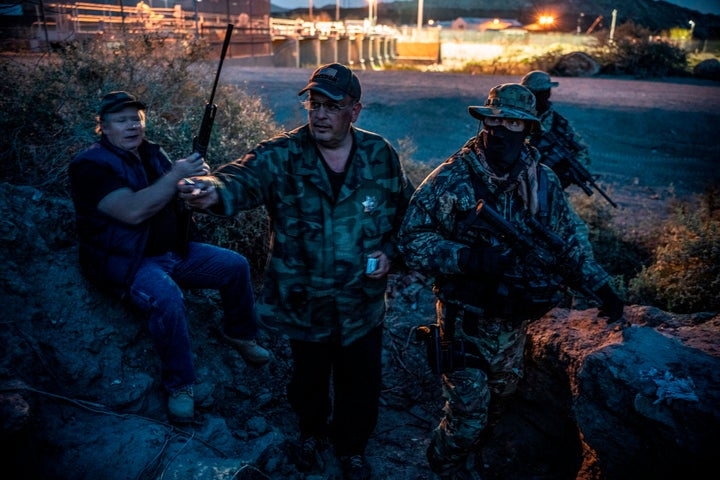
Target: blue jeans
pixel 157 291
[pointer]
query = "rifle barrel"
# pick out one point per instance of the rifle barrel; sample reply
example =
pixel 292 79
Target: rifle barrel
pixel 226 44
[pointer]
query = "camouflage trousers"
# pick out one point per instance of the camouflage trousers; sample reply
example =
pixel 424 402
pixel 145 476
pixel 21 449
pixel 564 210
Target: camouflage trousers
pixel 472 394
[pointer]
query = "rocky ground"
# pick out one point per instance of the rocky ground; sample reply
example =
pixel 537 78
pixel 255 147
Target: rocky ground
pixel 79 395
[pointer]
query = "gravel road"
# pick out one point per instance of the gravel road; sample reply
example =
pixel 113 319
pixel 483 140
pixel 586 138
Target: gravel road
pixel 651 133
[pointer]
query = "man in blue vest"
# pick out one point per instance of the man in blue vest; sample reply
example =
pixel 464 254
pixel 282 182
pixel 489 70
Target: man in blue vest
pixel 132 229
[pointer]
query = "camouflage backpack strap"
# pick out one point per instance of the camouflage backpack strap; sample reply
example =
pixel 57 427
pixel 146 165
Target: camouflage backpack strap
pixel 543 214
pixel 559 123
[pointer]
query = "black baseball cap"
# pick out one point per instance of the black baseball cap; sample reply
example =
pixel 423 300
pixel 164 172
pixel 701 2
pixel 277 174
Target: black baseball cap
pixel 116 101
pixel 335 81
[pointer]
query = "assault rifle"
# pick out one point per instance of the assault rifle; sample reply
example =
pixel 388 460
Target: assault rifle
pixel 202 140
pixel 559 154
pixel 546 251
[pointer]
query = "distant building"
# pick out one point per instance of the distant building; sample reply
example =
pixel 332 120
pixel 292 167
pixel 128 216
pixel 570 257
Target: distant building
pixel 484 24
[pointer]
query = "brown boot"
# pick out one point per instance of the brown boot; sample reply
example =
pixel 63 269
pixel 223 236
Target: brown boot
pixel 181 405
pixel 249 350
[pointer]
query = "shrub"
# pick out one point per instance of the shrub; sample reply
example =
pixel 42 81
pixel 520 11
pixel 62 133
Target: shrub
pixel 53 100
pixel 684 276
pixel 621 258
pixel 636 51
pixel 51 104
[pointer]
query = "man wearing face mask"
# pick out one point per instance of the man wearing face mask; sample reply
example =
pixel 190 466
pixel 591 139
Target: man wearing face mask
pixel 488 291
pixel 555 129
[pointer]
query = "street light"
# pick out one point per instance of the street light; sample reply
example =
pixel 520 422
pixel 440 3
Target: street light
pixel 692 28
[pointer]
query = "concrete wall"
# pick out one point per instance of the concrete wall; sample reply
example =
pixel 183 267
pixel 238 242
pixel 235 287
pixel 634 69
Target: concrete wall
pixel 358 51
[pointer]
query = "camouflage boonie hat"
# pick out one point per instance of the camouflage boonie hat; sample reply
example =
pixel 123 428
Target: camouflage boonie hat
pixel 538 81
pixel 508 100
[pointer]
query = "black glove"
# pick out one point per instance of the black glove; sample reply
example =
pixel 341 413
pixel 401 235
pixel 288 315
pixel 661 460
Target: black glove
pixel 481 261
pixel 611 305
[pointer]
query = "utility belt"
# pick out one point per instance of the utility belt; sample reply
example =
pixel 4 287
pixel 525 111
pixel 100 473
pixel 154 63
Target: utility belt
pixel 511 297
pixel 445 353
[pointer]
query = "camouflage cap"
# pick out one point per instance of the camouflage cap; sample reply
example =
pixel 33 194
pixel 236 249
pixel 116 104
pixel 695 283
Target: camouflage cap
pixel 335 81
pixel 116 101
pixel 508 100
pixel 538 81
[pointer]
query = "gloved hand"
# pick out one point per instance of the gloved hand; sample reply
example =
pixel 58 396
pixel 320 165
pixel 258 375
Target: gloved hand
pixel 611 305
pixel 480 261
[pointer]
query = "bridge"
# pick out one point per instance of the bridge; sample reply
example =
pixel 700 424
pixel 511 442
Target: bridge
pixel 257 39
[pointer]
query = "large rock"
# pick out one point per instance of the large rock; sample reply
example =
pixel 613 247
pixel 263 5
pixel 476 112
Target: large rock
pixel 80 398
pixel 708 68
pixel 576 64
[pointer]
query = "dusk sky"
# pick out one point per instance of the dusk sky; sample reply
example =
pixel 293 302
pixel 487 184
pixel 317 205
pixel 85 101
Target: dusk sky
pixel 703 6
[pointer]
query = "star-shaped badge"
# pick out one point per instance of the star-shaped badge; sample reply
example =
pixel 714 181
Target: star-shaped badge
pixel 369 204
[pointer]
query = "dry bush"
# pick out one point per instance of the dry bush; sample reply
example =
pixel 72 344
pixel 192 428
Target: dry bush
pixel 634 50
pixel 50 106
pixel 684 275
pixel 51 102
pixel 621 258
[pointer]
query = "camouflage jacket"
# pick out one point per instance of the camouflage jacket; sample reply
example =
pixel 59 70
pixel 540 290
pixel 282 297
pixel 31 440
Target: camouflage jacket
pixel 557 140
pixel 319 247
pixel 429 233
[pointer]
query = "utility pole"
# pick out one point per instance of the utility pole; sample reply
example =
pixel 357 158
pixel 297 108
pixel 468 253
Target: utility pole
pixel 420 15
pixel 612 25
pixel 197 19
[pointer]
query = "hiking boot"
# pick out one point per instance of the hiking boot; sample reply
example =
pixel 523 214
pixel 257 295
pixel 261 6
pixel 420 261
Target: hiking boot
pixel 181 405
pixel 308 454
pixel 355 467
pixel 249 350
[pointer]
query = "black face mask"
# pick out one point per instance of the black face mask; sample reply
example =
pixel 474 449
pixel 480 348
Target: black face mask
pixel 502 147
pixel 542 101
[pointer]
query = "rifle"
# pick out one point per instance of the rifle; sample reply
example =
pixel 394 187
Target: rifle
pixel 559 153
pixel 548 252
pixel 201 141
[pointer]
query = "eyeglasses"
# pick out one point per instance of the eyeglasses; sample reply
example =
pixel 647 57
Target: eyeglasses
pixel 331 108
pixel 512 124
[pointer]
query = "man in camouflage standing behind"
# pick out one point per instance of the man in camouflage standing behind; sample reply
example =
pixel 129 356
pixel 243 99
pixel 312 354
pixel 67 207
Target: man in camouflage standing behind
pixel 555 129
pixel 335 195
pixel 487 288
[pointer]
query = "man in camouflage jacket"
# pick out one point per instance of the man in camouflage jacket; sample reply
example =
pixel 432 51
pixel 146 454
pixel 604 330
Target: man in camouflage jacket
pixel 487 292
pixel 335 195
pixel 556 129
